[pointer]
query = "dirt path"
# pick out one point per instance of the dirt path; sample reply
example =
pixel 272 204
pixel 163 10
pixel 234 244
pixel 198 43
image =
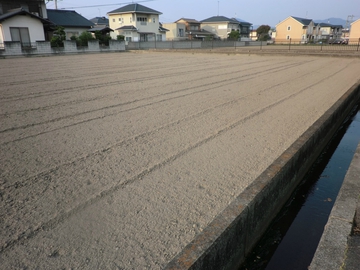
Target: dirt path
pixel 117 161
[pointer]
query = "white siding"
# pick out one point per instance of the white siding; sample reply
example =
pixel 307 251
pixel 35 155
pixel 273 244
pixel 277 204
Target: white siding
pixel 36 28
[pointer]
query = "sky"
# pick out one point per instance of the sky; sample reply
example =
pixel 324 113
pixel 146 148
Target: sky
pixel 257 12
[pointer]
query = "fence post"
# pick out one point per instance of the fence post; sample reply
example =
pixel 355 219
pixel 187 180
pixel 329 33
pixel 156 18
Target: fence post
pixel 358 44
pixel 289 44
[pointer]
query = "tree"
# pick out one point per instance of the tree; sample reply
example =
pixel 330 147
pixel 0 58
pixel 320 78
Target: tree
pixel 58 37
pixel 84 38
pixel 120 37
pixel 263 32
pixel 234 35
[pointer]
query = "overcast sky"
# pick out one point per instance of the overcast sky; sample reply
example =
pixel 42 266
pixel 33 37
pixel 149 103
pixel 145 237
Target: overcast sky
pixel 256 12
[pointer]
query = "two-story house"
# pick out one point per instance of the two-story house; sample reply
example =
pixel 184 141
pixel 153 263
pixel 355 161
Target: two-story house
pixel 245 28
pixel 193 29
pixel 137 23
pixel 177 31
pixel 330 31
pixel 221 26
pixel 23 21
pixel 295 28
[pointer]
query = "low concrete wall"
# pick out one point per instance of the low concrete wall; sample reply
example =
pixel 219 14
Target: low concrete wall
pixel 190 44
pixel 44 48
pixel 227 240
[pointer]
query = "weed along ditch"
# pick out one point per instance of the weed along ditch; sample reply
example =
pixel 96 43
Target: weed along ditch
pixel 291 240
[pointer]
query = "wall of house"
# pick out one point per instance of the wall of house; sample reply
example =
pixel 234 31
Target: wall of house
pixel 174 31
pixel 74 31
pixel 1 35
pixel 36 28
pixel 220 30
pixel 295 33
pixel 151 25
pixel 355 31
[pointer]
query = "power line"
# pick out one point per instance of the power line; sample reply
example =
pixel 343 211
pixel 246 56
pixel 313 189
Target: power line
pixel 108 4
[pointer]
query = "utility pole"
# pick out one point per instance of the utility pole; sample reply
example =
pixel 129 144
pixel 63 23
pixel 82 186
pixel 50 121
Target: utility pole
pixel 349 20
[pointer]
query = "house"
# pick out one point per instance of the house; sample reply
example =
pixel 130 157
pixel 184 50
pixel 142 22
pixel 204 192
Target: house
pixel 100 21
pixel 177 31
pixel 253 34
pixel 21 25
pixel 101 24
pixel 136 23
pixel 193 30
pixel 221 26
pixel 295 28
pixel 355 31
pixel 73 22
pixel 329 31
pixel 245 28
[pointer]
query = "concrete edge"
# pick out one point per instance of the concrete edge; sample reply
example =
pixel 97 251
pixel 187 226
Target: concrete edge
pixel 226 241
pixel 332 248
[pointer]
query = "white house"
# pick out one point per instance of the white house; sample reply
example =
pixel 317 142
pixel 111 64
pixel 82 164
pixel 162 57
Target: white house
pixel 137 23
pixel 21 25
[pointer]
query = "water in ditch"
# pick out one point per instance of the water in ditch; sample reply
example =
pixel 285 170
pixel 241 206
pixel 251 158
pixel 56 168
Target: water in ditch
pixel 291 240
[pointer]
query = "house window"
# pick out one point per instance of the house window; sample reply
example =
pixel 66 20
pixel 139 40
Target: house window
pixel 154 20
pixel 287 37
pixel 289 28
pixel 130 20
pixel 121 20
pixel 128 39
pixel 20 34
pixel 141 19
pixel 181 32
pixel 159 37
pixel 113 20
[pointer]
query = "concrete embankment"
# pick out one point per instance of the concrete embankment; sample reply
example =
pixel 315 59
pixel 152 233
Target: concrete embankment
pixel 233 233
pixel 339 246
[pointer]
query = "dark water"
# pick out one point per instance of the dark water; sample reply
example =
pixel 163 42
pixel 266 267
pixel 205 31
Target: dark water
pixel 291 241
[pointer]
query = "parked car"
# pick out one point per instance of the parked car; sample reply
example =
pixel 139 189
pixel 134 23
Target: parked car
pixel 338 41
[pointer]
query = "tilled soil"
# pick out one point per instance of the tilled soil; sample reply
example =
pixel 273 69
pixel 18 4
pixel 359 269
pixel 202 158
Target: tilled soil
pixel 116 161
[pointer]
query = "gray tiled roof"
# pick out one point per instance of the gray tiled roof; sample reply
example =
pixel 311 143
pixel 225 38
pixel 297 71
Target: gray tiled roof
pixel 127 27
pixel 68 18
pixel 135 8
pixel 216 19
pixel 302 20
pixel 21 11
pixel 188 20
pixel 242 22
pixel 100 20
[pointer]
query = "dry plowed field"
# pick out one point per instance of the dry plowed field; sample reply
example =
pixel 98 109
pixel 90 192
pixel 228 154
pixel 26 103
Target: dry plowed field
pixel 116 161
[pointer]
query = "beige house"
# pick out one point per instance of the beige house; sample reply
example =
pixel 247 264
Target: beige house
pixel 295 28
pixel 220 26
pixel 193 29
pixel 177 31
pixel 137 23
pixel 355 31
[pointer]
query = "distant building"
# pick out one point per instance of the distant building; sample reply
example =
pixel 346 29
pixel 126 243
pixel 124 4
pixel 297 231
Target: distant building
pixel 177 31
pixel 295 28
pixel 221 26
pixel 136 23
pixel 100 21
pixel 355 31
pixel 193 30
pixel 73 22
